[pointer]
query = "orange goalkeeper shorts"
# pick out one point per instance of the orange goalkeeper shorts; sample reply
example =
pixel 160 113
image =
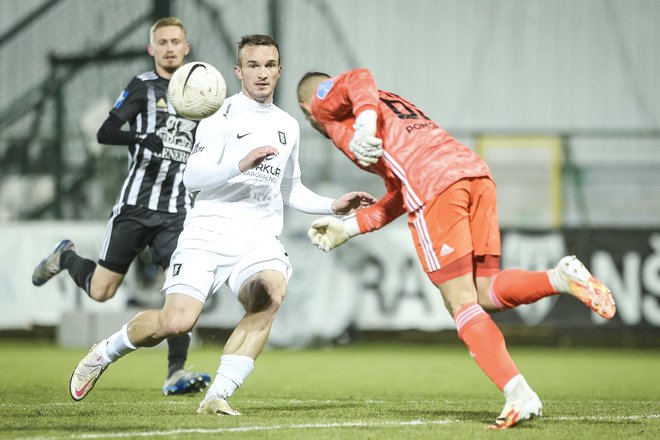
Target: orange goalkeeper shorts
pixel 459 226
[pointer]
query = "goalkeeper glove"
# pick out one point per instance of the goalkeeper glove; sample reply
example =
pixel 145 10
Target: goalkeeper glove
pixel 367 119
pixel 366 149
pixel 151 141
pixel 330 232
pixel 364 145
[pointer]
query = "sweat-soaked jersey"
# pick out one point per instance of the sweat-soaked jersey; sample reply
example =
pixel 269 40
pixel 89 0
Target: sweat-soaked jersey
pixel 420 159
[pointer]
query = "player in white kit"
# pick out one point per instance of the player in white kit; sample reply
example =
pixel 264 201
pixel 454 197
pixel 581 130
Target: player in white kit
pixel 244 166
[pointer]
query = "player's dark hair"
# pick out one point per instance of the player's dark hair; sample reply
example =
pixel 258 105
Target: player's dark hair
pixel 304 79
pixel 311 75
pixel 257 40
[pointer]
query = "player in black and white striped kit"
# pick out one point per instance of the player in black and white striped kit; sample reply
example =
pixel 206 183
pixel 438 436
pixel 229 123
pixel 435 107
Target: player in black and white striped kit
pixel 158 149
pixel 152 204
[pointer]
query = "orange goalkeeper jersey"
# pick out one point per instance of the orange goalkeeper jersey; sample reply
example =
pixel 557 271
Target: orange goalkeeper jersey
pixel 420 159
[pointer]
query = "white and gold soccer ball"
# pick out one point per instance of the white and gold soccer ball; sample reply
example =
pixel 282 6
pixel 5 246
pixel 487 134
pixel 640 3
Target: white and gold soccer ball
pixel 197 90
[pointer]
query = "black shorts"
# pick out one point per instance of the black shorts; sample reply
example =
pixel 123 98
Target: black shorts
pixel 133 229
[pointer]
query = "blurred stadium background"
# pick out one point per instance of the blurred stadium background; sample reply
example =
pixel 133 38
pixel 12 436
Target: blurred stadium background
pixel 559 97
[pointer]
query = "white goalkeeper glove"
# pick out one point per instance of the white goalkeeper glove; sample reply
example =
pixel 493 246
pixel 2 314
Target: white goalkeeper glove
pixel 330 232
pixel 369 120
pixel 366 149
pixel 364 145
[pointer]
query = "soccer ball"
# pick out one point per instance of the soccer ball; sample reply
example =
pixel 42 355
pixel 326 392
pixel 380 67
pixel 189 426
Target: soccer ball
pixel 196 90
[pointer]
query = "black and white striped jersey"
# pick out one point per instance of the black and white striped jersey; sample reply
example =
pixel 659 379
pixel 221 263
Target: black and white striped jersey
pixel 155 180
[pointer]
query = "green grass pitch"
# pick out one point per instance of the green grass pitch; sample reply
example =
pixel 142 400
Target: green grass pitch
pixel 360 391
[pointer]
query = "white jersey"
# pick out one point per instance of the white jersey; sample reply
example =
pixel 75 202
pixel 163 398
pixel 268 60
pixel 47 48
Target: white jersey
pixel 250 202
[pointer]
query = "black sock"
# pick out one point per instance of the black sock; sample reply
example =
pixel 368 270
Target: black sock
pixel 79 268
pixel 178 352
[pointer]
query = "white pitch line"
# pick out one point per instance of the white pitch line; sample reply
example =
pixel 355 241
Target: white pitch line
pixel 606 418
pixel 176 432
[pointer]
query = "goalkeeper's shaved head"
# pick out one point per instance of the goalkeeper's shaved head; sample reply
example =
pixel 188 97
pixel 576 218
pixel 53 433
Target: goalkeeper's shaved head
pixel 306 87
pixel 308 83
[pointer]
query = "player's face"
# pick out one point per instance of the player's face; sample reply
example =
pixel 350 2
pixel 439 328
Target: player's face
pixel 259 72
pixel 168 47
pixel 306 109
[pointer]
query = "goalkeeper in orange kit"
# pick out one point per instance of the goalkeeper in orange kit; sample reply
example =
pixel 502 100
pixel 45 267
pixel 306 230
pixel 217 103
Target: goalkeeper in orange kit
pixel 449 196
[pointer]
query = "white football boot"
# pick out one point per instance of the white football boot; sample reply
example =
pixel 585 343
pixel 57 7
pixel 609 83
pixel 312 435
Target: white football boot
pixel 86 374
pixel 576 280
pixel 215 404
pixel 522 403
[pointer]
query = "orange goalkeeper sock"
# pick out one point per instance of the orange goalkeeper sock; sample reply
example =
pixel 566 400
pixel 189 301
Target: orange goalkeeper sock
pixel 486 343
pixel 512 287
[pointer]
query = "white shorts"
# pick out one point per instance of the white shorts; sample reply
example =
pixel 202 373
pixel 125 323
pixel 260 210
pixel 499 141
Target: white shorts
pixel 203 261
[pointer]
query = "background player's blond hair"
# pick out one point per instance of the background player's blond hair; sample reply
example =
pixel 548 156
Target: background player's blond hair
pixel 167 21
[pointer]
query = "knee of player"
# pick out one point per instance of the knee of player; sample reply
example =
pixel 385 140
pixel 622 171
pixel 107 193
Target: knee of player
pixel 276 298
pixel 258 300
pixel 102 293
pixel 260 294
pixel 103 287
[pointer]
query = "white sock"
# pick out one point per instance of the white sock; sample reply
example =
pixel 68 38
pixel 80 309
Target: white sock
pixel 233 370
pixel 557 281
pixel 117 345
